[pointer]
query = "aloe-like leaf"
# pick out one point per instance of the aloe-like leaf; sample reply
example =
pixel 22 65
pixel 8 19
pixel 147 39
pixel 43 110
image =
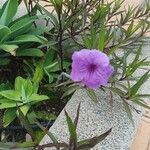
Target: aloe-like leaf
pixel 11 94
pixel 24 109
pixel 35 98
pixel 28 87
pixel 9 116
pixel 19 82
pixel 24 86
pixel 90 143
pixel 6 105
pixel 9 12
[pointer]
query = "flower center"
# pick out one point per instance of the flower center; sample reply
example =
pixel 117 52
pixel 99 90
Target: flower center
pixel 92 67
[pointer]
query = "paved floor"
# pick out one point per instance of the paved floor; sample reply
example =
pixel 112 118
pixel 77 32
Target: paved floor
pixel 142 138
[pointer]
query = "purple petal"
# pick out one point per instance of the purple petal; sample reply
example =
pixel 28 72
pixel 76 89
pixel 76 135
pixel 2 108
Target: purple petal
pixel 91 67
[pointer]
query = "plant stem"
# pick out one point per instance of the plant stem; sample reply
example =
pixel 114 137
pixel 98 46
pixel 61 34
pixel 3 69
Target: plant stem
pixel 60 34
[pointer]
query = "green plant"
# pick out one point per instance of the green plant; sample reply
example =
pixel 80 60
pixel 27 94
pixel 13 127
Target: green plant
pixel 108 27
pixel 18 37
pixel 24 96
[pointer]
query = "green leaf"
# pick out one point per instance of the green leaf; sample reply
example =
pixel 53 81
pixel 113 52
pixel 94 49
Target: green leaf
pixel 25 109
pixel 28 38
pixel 72 129
pixel 90 143
pixel 22 26
pixel 38 75
pixel 25 123
pixel 9 48
pixel 49 57
pixel 139 83
pixel 50 77
pixel 91 93
pixel 28 87
pixel 24 86
pixel 117 91
pixel 141 103
pixel 11 94
pixel 143 95
pixel 53 19
pixel 4 31
pixel 9 116
pixel 19 81
pixel 9 12
pixel 37 98
pixel 52 67
pixel 128 111
pixel 70 90
pixel 102 36
pixel 86 41
pixel 30 52
pixel 9 105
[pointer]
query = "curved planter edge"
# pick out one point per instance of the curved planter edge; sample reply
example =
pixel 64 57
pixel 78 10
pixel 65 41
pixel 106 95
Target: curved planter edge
pixel 95 119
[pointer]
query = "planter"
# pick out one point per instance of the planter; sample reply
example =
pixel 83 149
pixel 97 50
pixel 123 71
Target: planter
pixel 97 118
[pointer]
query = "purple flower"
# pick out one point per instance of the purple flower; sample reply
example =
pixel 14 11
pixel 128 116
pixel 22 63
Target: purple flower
pixel 91 67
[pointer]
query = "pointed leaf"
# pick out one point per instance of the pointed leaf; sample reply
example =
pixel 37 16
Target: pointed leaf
pixel 91 93
pixel 9 12
pixel 9 116
pixel 90 143
pixel 139 83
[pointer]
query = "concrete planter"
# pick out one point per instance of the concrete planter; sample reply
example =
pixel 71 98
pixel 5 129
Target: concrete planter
pixel 96 118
